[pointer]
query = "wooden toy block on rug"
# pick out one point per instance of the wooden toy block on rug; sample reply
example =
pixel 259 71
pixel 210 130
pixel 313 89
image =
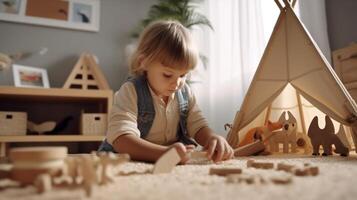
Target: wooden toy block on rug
pixel 260 165
pixel 326 138
pixel 171 158
pixel 275 178
pixel 224 171
pixel 86 75
pixel 245 178
pixel 167 162
pixel 306 170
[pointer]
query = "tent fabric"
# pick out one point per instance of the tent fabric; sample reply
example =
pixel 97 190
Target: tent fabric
pixel 293 75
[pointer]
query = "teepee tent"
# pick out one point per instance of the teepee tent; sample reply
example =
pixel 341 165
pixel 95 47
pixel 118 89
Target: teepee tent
pixel 294 76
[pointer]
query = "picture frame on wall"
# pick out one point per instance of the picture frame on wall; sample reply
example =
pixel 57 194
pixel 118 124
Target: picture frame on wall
pixel 32 77
pixel 70 14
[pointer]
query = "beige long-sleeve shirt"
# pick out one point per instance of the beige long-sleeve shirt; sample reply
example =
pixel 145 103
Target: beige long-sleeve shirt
pixel 123 117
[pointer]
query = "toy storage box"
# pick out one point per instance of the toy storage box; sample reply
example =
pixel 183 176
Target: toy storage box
pixel 93 123
pixel 13 123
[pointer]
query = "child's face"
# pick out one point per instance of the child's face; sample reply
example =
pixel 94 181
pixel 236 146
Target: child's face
pixel 165 80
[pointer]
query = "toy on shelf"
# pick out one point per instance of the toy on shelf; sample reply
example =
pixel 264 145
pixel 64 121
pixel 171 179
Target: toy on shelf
pixel 86 75
pixel 41 128
pixel 325 137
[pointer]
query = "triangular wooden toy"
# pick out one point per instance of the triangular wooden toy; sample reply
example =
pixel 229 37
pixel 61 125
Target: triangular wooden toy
pixel 86 75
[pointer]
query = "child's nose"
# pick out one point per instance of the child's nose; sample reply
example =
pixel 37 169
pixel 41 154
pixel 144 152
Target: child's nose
pixel 177 82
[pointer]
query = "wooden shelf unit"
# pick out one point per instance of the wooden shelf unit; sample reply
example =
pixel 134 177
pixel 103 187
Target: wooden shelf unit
pixel 44 104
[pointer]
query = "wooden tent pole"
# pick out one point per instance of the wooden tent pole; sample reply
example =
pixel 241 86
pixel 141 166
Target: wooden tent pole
pixel 279 5
pixel 302 118
pixel 293 3
pixel 267 116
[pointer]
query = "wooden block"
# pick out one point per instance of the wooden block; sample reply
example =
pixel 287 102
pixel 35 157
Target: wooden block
pixel 4 174
pixel 250 149
pixel 245 178
pixel 240 178
pixel 281 179
pixel 43 183
pixel 285 167
pixel 224 171
pixel 314 170
pixel 260 165
pixel 301 171
pixel 167 162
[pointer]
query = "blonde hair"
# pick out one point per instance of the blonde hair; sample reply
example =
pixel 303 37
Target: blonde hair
pixel 167 42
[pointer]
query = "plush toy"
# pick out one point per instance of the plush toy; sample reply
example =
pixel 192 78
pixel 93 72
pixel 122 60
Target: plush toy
pixel 258 133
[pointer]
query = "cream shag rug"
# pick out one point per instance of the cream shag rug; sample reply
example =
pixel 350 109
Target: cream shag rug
pixel 337 180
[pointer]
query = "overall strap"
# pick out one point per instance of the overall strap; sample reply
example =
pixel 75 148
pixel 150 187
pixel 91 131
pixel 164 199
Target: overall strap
pixel 146 110
pixel 183 100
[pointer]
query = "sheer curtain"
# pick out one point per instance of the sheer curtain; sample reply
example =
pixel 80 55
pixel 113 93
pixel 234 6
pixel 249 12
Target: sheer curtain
pixel 234 49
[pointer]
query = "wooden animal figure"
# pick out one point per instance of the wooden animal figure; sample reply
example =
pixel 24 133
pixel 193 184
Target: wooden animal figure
pixel 287 136
pixel 258 133
pixel 325 137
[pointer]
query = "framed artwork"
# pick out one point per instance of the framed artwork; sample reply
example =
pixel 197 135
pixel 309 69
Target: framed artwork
pixel 25 76
pixel 71 14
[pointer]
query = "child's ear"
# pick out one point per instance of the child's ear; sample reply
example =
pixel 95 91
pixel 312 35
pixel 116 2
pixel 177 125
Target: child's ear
pixel 141 62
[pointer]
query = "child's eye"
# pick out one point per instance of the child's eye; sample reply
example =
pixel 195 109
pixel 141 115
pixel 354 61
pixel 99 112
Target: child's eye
pixel 167 75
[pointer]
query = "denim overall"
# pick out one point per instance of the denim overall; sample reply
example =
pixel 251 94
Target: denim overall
pixel 146 113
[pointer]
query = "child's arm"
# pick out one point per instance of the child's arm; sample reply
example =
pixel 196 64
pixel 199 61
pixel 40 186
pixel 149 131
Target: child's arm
pixel 142 150
pixel 217 147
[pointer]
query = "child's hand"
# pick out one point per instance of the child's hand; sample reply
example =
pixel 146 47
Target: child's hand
pixel 183 151
pixel 218 149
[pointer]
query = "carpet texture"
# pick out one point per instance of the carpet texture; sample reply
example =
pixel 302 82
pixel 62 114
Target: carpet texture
pixel 337 180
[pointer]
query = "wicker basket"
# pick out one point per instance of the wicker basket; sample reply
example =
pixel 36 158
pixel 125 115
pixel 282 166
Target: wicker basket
pixel 13 123
pixel 93 123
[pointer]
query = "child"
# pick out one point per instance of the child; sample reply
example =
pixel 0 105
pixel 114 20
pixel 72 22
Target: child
pixel 156 110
